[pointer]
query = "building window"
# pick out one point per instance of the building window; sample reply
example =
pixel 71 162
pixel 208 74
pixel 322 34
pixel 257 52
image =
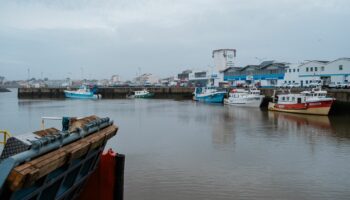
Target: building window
pixel 290 70
pixel 293 81
pixel 289 82
pixel 315 69
pixel 322 68
pixel 293 70
pixel 307 69
pixel 311 69
pixel 340 67
pixel 306 81
pixel 297 70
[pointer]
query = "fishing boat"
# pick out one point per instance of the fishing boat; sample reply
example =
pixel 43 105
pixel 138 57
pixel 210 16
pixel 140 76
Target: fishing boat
pixel 84 92
pixel 314 102
pixel 244 98
pixel 141 94
pixel 208 95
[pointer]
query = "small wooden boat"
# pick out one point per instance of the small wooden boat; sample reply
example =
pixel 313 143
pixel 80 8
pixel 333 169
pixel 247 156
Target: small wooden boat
pixel 314 102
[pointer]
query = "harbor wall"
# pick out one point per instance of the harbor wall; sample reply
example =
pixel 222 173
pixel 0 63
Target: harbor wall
pixel 108 93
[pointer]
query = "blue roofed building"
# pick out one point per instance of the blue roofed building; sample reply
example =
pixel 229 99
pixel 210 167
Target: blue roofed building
pixel 266 74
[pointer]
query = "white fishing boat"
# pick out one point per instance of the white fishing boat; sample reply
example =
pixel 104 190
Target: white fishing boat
pixel 141 94
pixel 244 98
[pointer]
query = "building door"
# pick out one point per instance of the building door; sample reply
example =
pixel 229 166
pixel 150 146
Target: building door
pixel 326 80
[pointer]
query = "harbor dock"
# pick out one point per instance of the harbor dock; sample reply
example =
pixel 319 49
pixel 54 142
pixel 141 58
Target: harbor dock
pixel 108 92
pixel 342 95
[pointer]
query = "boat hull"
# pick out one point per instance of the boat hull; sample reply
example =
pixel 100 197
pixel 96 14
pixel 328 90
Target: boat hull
pixel 144 96
pixel 311 108
pixel 74 95
pixel 244 103
pixel 210 98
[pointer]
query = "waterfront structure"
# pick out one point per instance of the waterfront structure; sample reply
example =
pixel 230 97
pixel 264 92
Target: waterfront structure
pixel 266 74
pixel 184 76
pixel 202 78
pixel 325 72
pixel 146 78
pixel 291 77
pixel 224 58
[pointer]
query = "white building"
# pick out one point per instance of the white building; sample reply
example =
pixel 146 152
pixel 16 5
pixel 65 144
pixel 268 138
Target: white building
pixel 292 74
pixel 115 79
pixel 224 58
pixel 146 78
pixel 337 71
pixel 204 78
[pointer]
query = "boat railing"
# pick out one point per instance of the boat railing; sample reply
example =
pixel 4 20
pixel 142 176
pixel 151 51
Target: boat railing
pixel 6 135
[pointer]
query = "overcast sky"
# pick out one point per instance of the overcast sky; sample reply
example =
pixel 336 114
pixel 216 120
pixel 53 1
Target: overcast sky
pixel 99 38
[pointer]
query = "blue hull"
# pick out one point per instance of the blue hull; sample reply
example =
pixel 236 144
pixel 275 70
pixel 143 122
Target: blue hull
pixel 80 96
pixel 213 98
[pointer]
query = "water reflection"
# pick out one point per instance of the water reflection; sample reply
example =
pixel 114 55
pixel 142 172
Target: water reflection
pixel 301 122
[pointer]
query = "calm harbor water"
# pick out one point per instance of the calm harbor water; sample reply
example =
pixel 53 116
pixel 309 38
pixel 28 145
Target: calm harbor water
pixel 189 150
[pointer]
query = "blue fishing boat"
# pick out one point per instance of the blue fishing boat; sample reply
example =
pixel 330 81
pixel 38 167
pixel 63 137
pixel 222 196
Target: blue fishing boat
pixel 209 95
pixel 84 92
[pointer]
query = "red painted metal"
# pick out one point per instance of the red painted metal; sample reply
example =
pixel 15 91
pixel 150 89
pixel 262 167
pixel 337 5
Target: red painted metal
pixel 303 106
pixel 102 182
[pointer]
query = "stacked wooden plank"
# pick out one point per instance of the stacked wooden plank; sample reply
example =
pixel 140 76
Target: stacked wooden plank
pixel 28 173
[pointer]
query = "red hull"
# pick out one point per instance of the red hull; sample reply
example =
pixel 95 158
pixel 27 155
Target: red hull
pixel 313 108
pixel 304 106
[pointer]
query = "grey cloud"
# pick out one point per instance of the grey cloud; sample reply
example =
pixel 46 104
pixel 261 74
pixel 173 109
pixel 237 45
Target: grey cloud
pixel 164 37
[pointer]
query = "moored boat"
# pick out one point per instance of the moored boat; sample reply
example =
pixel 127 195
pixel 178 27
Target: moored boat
pixel 209 95
pixel 314 102
pixel 141 94
pixel 246 98
pixel 84 92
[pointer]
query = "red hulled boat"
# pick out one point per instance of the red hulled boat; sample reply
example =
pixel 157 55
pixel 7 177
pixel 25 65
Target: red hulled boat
pixel 314 102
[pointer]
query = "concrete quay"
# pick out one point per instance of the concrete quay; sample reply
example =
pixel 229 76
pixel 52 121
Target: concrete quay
pixel 108 93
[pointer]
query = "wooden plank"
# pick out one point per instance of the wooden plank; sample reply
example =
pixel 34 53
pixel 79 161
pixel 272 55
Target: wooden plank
pixel 45 132
pixel 17 179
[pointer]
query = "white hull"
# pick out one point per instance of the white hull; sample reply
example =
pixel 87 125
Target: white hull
pixel 244 103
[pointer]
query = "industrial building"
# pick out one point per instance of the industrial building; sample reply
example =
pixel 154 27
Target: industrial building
pixel 224 58
pixel 337 71
pixel 266 74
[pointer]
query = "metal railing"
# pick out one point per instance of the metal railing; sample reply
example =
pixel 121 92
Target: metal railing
pixel 6 135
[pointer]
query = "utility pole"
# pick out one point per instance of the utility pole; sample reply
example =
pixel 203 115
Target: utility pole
pixel 28 74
